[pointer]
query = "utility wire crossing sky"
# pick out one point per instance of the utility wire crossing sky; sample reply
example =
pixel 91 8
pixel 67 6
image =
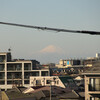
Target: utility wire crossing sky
pixel 53 18
pixel 52 29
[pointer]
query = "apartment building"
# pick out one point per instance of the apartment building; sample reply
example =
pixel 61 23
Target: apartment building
pixel 92 83
pixel 17 71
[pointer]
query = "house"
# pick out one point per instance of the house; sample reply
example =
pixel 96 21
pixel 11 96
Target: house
pixel 79 80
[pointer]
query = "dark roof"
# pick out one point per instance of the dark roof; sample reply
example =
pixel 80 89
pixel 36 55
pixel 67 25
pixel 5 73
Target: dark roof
pixel 46 93
pixel 15 94
pixel 29 98
pixel 21 89
pixel 65 79
pixel 94 70
pixel 37 87
pixel 38 95
pixel 69 95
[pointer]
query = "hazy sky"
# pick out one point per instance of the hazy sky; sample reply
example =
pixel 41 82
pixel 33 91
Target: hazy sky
pixel 49 46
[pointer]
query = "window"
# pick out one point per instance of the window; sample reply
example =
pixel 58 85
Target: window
pixel 35 73
pixel 2 82
pixel 44 73
pixel 94 98
pixel 38 82
pixel 27 66
pixel 94 84
pixel 2 75
pixel 26 82
pixel 1 67
pixel 48 81
pixel 2 58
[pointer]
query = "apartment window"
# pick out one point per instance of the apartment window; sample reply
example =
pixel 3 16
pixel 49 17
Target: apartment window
pixel 35 73
pixel 27 66
pixel 2 75
pixel 94 84
pixel 18 67
pixel 94 98
pixel 44 73
pixel 2 82
pixel 2 58
pixel 10 82
pixel 14 67
pixel 17 75
pixel 1 67
pixel 26 82
pixel 38 82
pixel 26 75
pixel 48 81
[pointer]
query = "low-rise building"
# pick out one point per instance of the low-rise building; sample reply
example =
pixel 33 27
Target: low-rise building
pixel 68 63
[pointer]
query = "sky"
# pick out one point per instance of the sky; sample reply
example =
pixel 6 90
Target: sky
pixel 49 46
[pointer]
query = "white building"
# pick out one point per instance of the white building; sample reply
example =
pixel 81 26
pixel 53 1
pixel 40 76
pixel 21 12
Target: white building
pixel 60 81
pixel 17 72
pixel 97 55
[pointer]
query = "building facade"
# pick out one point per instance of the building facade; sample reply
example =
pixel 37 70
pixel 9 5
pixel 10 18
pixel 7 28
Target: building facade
pixel 17 72
pixel 60 81
pixel 92 83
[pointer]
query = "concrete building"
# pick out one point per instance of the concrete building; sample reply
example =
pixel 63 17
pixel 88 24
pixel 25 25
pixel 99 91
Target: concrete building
pixel 68 63
pixel 17 72
pixel 92 82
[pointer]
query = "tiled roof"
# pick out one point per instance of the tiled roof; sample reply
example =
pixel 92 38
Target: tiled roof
pixel 70 95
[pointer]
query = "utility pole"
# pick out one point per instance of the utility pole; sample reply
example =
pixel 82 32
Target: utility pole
pixel 50 89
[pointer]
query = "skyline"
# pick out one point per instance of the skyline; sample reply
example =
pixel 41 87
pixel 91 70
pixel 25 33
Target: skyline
pixel 46 46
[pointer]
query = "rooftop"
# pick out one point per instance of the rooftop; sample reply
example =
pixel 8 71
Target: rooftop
pixel 94 70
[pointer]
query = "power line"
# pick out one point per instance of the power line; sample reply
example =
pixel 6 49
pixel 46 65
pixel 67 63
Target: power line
pixel 53 29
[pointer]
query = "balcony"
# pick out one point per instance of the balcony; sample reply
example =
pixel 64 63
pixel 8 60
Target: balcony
pixel 2 58
pixel 2 75
pixel 14 67
pixel 27 66
pixel 2 67
pixel 44 73
pixel 14 75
